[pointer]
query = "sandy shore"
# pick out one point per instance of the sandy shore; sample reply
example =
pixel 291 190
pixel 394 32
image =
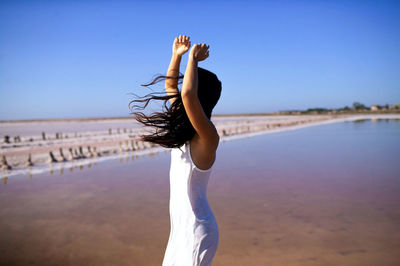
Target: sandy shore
pixel 81 142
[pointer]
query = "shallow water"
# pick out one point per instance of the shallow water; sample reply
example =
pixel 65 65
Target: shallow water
pixel 323 195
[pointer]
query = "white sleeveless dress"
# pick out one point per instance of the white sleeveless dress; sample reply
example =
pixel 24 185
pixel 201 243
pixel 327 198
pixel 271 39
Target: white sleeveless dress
pixel 194 234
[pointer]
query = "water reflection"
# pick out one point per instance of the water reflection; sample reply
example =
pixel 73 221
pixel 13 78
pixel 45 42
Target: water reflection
pixel 358 121
pixel 374 120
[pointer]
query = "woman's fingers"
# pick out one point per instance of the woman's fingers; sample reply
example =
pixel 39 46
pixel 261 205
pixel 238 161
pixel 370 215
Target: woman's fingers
pixel 203 45
pixel 182 38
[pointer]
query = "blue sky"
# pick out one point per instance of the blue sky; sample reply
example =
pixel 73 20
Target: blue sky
pixel 61 59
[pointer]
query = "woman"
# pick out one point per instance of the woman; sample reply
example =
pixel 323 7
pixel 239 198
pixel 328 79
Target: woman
pixel 185 126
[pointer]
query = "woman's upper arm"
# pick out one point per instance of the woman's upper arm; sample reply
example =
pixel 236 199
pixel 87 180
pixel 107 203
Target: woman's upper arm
pixel 200 122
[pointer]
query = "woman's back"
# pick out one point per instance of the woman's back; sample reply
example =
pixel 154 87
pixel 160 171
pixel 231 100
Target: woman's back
pixel 194 231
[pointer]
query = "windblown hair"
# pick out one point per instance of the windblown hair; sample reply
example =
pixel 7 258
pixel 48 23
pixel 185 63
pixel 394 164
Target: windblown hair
pixel 172 125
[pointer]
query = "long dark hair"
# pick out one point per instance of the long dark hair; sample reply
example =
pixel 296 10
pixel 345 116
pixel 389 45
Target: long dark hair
pixel 172 127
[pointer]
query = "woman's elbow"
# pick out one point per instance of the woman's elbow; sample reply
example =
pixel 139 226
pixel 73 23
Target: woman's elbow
pixel 215 141
pixel 188 93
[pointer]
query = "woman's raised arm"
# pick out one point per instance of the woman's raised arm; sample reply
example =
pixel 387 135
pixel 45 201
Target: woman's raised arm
pixel 205 129
pixel 180 46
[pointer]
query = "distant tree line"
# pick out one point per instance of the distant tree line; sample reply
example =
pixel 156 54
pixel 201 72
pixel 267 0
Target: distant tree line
pixel 356 107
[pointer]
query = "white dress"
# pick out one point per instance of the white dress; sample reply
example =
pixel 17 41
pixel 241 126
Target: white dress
pixel 194 234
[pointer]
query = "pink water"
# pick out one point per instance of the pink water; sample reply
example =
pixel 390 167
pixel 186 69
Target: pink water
pixel 324 195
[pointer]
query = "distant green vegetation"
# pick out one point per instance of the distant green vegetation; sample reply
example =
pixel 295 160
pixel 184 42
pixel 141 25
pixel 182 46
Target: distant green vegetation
pixel 357 107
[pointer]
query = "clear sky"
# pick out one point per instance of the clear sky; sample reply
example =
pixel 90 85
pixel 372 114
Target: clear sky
pixel 61 59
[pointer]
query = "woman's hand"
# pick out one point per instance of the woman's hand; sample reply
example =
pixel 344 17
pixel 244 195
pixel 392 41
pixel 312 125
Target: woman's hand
pixel 199 52
pixel 181 45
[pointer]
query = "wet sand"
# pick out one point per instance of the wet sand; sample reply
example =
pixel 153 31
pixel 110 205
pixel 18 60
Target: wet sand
pixel 333 200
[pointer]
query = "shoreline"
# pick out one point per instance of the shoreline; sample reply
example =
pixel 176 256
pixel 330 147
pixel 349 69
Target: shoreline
pixel 126 143
pixel 283 113
pixel 334 120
